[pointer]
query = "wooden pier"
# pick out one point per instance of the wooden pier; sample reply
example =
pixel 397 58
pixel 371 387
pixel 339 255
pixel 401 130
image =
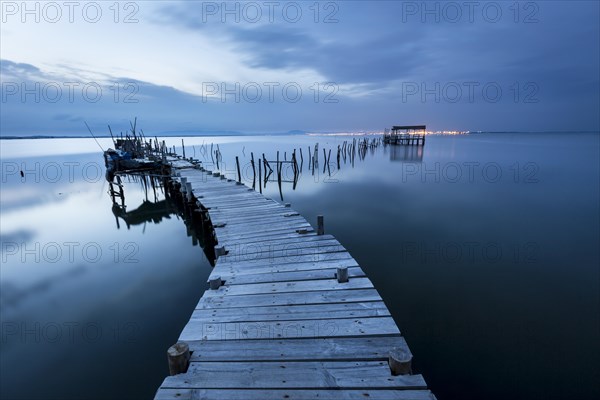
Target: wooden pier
pixel 287 313
pixel 409 135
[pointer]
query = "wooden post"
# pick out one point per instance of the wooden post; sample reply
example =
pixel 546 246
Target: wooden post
pixel 320 225
pixel 179 358
pixel 400 361
pixel 237 161
pixel 183 148
pixel 342 274
pixel 188 186
pixel 215 282
pixel 183 184
pixel 260 177
pixel 220 251
pixel 253 170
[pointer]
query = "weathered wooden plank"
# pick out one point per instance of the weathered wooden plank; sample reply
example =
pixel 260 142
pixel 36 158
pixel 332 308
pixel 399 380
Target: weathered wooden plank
pixel 235 270
pixel 290 287
pixel 215 196
pixel 218 199
pixel 293 313
pixel 177 163
pixel 246 212
pixel 298 375
pixel 309 258
pixel 328 273
pixel 206 183
pixel 251 198
pixel 275 216
pixel 274 229
pixel 275 220
pixel 261 237
pixel 289 226
pixel 319 328
pixel 231 203
pixel 214 186
pixel 291 394
pixel 266 270
pixel 233 193
pixel 274 255
pixel 248 244
pixel 244 225
pixel 286 246
pixel 322 349
pixel 282 299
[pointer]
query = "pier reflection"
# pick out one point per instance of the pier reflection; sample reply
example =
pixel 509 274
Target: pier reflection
pixel 161 201
pixel 406 153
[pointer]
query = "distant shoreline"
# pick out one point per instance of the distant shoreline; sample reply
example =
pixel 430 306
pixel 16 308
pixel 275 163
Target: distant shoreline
pixel 238 134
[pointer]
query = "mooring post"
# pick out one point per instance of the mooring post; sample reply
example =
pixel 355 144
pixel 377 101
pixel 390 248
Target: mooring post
pixel 237 161
pixel 179 358
pixel 183 183
pixel 253 170
pixel 215 282
pixel 183 148
pixel 342 274
pixel 400 361
pixel 260 177
pixel 320 225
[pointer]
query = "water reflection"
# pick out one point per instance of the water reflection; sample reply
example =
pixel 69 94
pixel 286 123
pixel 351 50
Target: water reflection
pixel 167 200
pixel 406 153
pixel 492 309
pixel 72 284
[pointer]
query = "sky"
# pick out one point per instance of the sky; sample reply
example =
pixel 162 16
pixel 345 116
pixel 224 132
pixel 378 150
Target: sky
pixel 277 66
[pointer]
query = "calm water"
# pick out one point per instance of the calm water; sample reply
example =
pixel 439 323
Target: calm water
pixel 484 247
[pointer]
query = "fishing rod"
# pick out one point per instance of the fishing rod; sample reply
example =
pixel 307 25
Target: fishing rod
pixel 98 143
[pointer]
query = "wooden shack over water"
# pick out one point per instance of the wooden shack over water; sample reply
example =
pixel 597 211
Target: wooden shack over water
pixel 407 135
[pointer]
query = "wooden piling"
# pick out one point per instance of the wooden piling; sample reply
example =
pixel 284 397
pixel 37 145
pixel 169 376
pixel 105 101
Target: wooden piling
pixel 342 274
pixel 215 282
pixel 237 162
pixel 179 358
pixel 400 361
pixel 188 190
pixel 253 170
pixel 260 177
pixel 220 251
pixel 320 225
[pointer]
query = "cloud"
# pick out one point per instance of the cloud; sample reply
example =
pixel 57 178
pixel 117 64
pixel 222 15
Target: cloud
pixel 370 54
pixel 12 68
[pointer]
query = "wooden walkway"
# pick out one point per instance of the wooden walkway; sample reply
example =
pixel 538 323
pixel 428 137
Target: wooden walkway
pixel 281 326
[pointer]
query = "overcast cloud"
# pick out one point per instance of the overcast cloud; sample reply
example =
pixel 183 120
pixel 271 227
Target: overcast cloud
pixel 280 66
